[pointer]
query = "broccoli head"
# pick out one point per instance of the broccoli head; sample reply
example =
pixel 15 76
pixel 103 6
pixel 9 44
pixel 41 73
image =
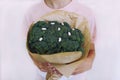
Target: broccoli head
pixel 53 37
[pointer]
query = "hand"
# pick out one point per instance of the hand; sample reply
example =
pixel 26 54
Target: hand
pixel 87 63
pixel 47 67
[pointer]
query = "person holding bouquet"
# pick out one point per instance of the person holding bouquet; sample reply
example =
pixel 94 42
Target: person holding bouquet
pixel 46 6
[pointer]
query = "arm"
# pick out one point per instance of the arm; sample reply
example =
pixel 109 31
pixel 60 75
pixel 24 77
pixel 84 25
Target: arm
pixel 87 63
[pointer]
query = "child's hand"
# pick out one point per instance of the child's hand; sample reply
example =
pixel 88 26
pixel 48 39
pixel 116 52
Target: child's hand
pixel 87 63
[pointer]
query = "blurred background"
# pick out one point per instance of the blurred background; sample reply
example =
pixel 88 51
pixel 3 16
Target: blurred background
pixel 15 63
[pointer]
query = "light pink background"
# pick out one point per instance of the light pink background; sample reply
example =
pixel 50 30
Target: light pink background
pixel 17 65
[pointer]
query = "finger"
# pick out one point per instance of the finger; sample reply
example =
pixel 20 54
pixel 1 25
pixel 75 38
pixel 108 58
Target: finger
pixel 52 69
pixel 91 53
pixel 42 68
pixel 92 46
pixel 78 72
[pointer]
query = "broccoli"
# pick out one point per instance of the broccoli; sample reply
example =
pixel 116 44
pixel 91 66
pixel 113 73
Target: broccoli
pixel 53 37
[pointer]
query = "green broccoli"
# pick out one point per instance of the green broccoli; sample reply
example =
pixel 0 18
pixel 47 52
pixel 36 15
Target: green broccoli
pixel 53 37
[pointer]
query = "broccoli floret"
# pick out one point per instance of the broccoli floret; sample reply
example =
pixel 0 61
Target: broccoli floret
pixel 53 37
pixel 65 44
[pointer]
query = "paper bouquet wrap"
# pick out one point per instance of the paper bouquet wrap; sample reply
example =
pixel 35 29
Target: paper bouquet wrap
pixel 65 61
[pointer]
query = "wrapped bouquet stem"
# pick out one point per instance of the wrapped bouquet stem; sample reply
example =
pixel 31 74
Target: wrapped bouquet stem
pixel 60 38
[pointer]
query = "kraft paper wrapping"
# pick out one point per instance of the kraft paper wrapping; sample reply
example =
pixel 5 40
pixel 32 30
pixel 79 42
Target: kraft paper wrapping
pixel 63 62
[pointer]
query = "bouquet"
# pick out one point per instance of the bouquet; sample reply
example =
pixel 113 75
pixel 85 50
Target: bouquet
pixel 60 38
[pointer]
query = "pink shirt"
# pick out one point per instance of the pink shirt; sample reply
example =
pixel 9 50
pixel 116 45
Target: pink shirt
pixel 36 11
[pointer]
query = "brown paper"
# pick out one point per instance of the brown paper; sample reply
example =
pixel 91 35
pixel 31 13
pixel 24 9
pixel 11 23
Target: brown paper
pixel 59 60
